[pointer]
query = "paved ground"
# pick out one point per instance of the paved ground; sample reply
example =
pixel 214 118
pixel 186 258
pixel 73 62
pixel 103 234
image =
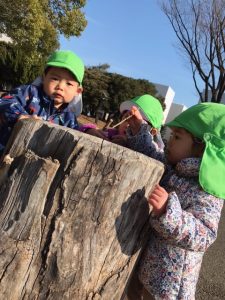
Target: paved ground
pixel 211 285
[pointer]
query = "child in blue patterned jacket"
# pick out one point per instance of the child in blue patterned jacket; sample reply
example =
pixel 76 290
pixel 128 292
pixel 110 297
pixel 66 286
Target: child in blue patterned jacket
pixel 57 98
pixel 186 206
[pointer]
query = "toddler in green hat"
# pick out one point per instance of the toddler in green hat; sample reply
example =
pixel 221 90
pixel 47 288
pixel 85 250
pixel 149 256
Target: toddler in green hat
pixel 146 122
pixel 56 97
pixel 186 206
pixel 141 116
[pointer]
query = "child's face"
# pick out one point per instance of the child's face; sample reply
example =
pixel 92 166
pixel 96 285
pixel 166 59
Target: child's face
pixel 60 85
pixel 181 145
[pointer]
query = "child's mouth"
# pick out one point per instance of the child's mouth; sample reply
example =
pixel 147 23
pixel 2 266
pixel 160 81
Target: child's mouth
pixel 57 96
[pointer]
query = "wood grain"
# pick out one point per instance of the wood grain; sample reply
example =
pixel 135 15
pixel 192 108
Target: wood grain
pixel 73 214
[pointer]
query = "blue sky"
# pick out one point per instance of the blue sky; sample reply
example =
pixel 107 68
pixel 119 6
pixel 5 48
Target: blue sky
pixel 136 39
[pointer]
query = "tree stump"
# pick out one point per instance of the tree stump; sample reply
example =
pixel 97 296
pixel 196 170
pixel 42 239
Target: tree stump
pixel 73 214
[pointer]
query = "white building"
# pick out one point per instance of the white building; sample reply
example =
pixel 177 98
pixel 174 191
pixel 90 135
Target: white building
pixel 172 109
pixel 168 93
pixel 175 110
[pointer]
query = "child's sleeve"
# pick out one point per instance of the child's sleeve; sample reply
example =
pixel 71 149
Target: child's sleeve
pixel 194 228
pixel 85 127
pixel 143 142
pixel 12 106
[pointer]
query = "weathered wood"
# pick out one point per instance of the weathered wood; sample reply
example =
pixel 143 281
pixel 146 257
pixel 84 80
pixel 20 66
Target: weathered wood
pixel 23 198
pixel 74 215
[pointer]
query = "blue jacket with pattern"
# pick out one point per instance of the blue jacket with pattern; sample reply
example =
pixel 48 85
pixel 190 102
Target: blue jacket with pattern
pixel 31 100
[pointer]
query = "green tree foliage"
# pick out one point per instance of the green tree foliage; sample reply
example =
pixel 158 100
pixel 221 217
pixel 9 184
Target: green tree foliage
pixel 67 16
pixel 34 27
pixel 105 90
pixel 124 88
pixel 96 82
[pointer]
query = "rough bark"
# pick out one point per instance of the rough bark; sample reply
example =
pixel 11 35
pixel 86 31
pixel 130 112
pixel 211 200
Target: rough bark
pixel 73 214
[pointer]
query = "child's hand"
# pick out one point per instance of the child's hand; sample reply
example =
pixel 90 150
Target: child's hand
pixel 136 113
pixel 119 140
pixel 96 132
pixel 136 121
pixel 122 128
pixel 21 117
pixel 158 199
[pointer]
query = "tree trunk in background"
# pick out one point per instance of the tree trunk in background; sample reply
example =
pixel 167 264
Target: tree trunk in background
pixel 73 214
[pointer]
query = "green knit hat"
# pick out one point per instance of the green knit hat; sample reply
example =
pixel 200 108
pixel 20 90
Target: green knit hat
pixel 207 122
pixel 149 107
pixel 69 61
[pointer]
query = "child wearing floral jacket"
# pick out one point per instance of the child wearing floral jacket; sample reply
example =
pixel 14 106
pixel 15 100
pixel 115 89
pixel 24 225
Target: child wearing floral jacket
pixel 56 98
pixel 186 206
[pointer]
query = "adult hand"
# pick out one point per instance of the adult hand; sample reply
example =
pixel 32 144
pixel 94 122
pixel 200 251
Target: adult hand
pixel 158 199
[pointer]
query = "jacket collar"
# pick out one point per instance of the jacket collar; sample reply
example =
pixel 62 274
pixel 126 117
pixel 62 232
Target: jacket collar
pixel 188 167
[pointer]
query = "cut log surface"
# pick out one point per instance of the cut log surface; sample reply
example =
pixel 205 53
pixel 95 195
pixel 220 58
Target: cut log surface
pixel 73 214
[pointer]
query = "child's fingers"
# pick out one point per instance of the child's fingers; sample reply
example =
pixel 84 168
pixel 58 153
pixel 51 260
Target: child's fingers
pixel 155 203
pixel 135 112
pixel 159 195
pixel 158 199
pixel 21 117
pixel 155 196
pixel 36 117
pixel 159 187
pixel 159 190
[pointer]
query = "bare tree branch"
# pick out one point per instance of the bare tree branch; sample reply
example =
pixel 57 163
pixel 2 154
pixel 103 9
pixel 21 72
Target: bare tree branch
pixel 200 28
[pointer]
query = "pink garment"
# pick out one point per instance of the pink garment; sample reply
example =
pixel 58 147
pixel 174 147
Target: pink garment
pixel 83 128
pixel 109 132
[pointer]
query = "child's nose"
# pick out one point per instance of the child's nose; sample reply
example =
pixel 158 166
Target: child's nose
pixel 60 85
pixel 169 142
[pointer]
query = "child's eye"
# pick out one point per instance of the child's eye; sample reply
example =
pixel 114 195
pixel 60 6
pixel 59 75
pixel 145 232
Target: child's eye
pixel 69 83
pixel 54 78
pixel 177 136
pixel 174 136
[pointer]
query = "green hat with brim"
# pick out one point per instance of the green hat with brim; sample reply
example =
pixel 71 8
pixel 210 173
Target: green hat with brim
pixel 67 60
pixel 207 122
pixel 149 107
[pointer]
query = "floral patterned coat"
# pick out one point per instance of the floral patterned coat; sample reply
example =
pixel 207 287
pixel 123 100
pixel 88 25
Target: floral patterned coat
pixel 170 264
